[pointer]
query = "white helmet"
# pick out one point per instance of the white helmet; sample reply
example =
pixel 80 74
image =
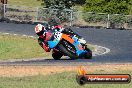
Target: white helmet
pixel 40 29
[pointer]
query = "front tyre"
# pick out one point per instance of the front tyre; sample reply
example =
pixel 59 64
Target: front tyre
pixel 57 55
pixel 64 47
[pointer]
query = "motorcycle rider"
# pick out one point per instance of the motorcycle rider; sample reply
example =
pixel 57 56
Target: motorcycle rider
pixel 42 32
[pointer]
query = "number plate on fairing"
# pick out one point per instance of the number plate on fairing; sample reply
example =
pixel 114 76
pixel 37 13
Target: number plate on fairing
pixel 57 36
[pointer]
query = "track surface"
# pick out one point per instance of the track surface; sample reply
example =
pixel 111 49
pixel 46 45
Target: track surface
pixel 118 41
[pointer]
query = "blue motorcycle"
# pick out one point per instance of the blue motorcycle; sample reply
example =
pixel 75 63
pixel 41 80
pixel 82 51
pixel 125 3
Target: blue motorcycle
pixel 67 45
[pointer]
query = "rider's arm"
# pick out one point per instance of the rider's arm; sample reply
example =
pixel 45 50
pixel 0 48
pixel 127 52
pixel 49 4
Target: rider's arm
pixel 43 44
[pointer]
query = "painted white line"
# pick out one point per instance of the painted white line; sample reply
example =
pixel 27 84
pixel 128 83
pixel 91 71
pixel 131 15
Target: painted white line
pixel 24 35
pixel 98 52
pixel 107 50
pixel 31 36
pixel 15 34
pixel 6 33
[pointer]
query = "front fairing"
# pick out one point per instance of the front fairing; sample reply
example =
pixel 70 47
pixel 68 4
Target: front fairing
pixel 79 50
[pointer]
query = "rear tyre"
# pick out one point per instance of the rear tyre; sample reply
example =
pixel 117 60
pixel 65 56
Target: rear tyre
pixel 67 52
pixel 88 55
pixel 57 55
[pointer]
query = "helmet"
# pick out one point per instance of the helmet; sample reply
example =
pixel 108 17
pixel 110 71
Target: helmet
pixel 58 28
pixel 40 30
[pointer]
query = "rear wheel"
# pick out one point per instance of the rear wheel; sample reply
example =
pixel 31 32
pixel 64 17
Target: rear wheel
pixel 68 49
pixel 88 55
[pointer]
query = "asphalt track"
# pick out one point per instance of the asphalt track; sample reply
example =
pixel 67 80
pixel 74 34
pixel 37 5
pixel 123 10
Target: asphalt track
pixel 118 41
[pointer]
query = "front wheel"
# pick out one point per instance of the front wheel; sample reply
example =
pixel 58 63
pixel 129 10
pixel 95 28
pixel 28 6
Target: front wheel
pixel 68 49
pixel 57 55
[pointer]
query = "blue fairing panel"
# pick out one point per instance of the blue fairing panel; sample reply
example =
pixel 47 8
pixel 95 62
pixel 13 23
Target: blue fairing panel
pixel 75 43
pixel 52 44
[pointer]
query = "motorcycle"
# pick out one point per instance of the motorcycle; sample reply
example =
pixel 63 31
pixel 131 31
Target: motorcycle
pixel 67 45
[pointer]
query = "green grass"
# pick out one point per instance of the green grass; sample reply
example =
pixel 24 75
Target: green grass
pixel 17 47
pixel 61 80
pixel 32 3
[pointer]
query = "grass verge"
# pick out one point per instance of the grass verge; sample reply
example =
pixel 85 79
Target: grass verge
pixel 60 80
pixel 32 3
pixel 18 47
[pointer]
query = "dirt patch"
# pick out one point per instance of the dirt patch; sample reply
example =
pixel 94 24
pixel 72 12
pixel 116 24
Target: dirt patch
pixel 20 71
